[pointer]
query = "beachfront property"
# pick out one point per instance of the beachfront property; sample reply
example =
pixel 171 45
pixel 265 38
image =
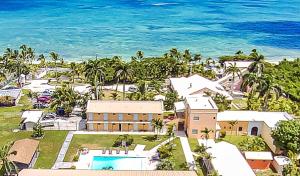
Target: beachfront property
pixel 252 123
pixel 197 85
pixel 195 114
pixel 123 116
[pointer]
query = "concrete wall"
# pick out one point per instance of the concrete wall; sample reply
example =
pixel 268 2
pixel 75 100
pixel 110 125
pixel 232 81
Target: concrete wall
pixel 266 135
pixel 255 124
pixel 112 127
pixel 225 126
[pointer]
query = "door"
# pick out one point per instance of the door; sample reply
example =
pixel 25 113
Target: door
pixel 254 131
pixel 120 127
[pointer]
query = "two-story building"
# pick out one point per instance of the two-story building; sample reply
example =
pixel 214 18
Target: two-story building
pixel 122 115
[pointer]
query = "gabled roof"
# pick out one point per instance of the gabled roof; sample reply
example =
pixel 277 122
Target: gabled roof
pixel 25 149
pixel 32 116
pixel 125 106
pixel 15 93
pixel 270 118
pixel 186 86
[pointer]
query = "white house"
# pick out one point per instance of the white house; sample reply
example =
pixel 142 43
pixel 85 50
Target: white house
pixel 30 119
pixel 197 85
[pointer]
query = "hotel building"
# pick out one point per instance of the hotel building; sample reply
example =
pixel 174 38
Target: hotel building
pixel 122 115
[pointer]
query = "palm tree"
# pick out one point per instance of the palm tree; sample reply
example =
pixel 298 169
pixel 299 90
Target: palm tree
pixel 139 55
pixel 157 124
pixel 206 132
pixel 94 71
pixel 268 88
pixel 124 73
pixel 259 63
pixel 73 68
pixel 55 57
pixel 170 130
pixel 251 80
pixel 232 123
pixel 114 95
pixel 42 60
pixel 234 71
pixel 8 165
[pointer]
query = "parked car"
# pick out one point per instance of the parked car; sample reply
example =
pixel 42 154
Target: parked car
pixel 40 105
pixel 132 89
pixel 44 99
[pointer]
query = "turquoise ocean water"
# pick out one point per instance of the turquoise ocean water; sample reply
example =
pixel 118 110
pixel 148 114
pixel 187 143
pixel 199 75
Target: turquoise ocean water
pixel 78 29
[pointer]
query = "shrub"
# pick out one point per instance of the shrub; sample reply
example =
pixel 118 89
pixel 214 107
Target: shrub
pixel 126 138
pixel 166 164
pixel 76 158
pixel 38 131
pixel 222 134
pixel 252 144
pixel 165 151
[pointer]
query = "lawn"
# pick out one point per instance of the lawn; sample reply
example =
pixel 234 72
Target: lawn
pixel 10 119
pixel 95 141
pixel 241 103
pixel 193 143
pixel 178 155
pixel 235 140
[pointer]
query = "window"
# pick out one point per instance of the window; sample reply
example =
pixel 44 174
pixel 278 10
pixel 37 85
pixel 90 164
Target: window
pixel 240 128
pixel 128 114
pixel 224 127
pixel 196 118
pixel 114 113
pixel 98 113
pixel 194 131
pixel 214 118
pixel 158 114
pixel 229 127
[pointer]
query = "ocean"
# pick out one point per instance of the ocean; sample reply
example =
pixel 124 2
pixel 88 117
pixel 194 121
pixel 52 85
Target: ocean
pixel 80 29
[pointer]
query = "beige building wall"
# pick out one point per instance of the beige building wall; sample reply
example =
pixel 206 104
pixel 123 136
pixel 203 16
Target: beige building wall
pixel 239 129
pixel 266 135
pixel 207 119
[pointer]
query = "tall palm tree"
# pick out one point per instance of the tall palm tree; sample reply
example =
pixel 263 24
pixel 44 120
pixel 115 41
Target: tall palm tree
pixel 124 73
pixel 206 132
pixel 140 55
pixel 232 123
pixel 251 80
pixel 94 71
pixel 157 124
pixel 55 57
pixel 259 63
pixel 268 88
pixel 234 71
pixel 42 60
pixel 8 165
pixel 73 68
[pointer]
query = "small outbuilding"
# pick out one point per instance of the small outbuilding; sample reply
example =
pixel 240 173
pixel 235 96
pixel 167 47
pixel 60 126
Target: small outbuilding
pixel 26 153
pixel 30 119
pixel 279 162
pixel 10 97
pixel 259 160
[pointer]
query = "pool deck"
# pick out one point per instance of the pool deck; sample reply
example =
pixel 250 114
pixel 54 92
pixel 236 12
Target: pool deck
pixel 85 161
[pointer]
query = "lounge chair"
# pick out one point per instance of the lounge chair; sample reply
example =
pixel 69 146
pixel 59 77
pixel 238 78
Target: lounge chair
pixel 103 151
pixel 118 151
pixel 126 150
pixel 110 151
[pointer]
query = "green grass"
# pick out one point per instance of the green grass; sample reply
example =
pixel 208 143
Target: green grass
pixel 10 118
pixel 268 172
pixel 235 140
pixel 95 141
pixel 241 103
pixel 193 143
pixel 178 155
pixel 49 148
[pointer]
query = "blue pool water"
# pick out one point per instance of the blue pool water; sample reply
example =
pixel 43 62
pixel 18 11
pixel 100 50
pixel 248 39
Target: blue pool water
pixel 118 163
pixel 80 28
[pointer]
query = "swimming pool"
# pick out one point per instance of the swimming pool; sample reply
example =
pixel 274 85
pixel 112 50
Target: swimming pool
pixel 118 163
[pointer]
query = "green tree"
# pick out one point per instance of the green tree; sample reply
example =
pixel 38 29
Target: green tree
pixel 206 132
pixel 38 131
pixel 55 57
pixel 171 98
pixel 166 164
pixel 64 97
pixel 222 103
pixel 157 124
pixel 8 165
pixel 234 71
pixel 232 124
pixel 93 71
pixel 252 143
pixel 124 73
pixel 286 135
pixel 291 169
pixel 258 65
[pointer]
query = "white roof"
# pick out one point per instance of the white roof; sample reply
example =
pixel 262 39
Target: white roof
pixel 239 64
pixel 186 86
pixel 200 102
pixel 259 155
pixel 159 97
pixel 270 118
pixel 32 116
pixel 179 106
pixel 282 160
pixel 228 161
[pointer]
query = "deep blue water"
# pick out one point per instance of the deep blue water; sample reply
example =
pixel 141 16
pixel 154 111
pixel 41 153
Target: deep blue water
pixel 80 28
